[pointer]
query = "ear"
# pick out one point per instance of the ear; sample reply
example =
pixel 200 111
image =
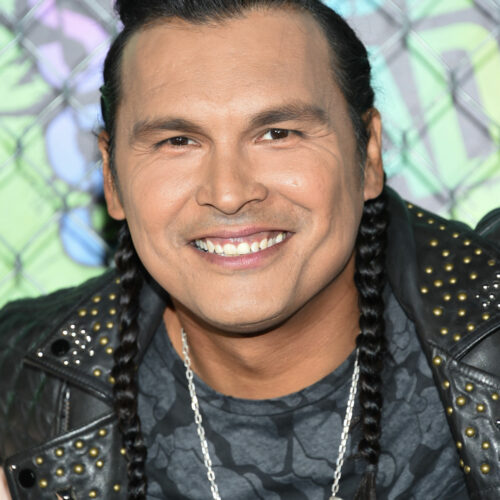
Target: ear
pixel 374 168
pixel 111 193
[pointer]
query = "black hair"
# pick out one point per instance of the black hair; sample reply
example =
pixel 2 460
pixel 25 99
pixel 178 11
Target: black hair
pixel 370 279
pixel 352 72
pixel 124 369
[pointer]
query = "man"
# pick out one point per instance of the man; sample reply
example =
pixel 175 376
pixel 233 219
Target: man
pixel 243 151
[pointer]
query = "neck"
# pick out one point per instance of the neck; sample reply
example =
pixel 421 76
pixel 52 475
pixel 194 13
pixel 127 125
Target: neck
pixel 295 354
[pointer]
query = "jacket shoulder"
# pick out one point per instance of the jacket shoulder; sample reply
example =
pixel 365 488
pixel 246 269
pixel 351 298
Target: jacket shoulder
pixel 446 274
pixel 25 324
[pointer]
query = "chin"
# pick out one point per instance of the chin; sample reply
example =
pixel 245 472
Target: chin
pixel 246 321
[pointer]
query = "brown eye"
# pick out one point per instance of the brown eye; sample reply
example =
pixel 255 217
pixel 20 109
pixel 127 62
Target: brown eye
pixel 277 133
pixel 178 141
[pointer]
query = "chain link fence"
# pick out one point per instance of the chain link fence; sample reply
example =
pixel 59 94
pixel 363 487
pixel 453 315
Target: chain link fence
pixel 436 72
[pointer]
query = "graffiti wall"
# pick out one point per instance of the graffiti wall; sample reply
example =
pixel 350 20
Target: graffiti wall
pixel 436 73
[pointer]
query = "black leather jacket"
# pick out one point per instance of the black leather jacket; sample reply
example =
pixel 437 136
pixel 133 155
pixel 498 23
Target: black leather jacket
pixel 57 428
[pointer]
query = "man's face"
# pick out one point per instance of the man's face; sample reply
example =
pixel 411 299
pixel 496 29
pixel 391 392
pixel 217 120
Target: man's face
pixel 236 165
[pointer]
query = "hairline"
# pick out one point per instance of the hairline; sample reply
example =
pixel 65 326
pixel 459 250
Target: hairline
pixel 218 20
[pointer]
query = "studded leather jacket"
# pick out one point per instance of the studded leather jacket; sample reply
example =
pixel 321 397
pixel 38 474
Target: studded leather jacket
pixel 58 433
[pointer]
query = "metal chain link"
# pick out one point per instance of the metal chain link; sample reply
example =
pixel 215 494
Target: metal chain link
pixel 201 431
pixel 345 430
pixel 198 420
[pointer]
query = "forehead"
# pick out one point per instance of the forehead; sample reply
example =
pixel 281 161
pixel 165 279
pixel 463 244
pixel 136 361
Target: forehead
pixel 260 55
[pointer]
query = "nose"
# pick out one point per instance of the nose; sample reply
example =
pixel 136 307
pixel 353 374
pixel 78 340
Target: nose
pixel 230 182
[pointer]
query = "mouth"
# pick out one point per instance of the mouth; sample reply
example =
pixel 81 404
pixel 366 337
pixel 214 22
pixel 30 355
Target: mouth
pixel 243 245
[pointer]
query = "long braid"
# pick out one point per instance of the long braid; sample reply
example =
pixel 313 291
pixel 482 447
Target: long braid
pixel 370 280
pixel 124 370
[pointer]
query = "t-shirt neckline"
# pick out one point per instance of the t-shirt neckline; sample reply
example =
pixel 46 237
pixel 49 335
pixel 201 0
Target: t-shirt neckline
pixel 331 383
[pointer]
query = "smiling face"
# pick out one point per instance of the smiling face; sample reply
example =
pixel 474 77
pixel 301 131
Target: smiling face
pixel 236 166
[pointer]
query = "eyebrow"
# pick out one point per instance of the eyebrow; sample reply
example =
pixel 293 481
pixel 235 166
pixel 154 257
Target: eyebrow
pixel 293 111
pixel 289 112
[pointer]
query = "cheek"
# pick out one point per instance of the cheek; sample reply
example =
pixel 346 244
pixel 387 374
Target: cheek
pixel 330 195
pixel 153 198
pixel 322 183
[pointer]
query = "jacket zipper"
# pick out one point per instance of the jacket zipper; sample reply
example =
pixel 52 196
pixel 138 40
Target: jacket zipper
pixel 66 408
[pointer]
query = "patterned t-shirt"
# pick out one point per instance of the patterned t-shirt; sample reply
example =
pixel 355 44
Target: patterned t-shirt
pixel 286 448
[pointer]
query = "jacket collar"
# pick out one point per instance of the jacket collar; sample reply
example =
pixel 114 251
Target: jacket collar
pixel 79 349
pixel 446 277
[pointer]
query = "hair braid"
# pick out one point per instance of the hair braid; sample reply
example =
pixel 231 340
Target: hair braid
pixel 124 369
pixel 370 280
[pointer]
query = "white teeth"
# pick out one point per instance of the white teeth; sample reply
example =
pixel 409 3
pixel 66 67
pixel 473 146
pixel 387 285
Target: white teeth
pixel 244 248
pixel 230 249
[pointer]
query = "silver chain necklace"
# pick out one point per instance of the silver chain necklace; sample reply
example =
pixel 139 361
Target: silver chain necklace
pixel 203 440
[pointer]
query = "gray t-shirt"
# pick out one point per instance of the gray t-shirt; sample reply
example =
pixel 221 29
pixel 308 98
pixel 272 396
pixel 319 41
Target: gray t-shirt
pixel 286 448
